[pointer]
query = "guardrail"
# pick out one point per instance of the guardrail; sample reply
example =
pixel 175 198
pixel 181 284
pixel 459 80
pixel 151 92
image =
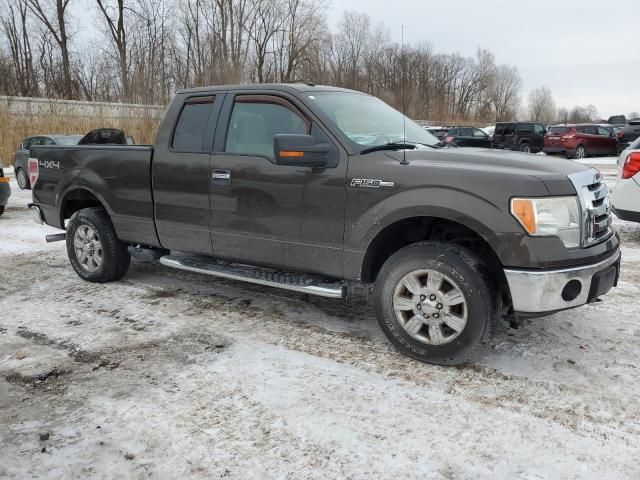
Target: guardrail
pixel 78 108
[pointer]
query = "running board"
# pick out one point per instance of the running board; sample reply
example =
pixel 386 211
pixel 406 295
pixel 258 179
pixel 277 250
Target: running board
pixel 262 276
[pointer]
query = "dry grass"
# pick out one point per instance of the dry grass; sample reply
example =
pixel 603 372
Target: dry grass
pixel 14 128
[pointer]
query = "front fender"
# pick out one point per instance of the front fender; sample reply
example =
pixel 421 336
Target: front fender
pixel 492 222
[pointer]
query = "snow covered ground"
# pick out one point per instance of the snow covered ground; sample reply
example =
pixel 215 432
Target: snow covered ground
pixel 168 374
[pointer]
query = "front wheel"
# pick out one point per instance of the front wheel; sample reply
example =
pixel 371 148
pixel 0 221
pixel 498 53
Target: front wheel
pixel 23 179
pixel 93 248
pixel 525 148
pixel 435 304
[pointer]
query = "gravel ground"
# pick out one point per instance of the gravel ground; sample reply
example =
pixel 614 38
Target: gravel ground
pixel 168 374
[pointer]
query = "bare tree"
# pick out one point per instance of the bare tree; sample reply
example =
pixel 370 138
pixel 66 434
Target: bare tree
pixel 542 107
pixel 14 24
pixel 563 115
pixel 505 87
pixel 633 115
pixel 54 19
pixel 114 17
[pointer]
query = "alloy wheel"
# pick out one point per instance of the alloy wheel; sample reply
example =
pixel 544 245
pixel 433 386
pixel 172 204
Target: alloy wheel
pixel 88 248
pixel 430 306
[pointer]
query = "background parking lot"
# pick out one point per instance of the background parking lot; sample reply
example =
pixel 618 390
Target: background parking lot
pixel 172 374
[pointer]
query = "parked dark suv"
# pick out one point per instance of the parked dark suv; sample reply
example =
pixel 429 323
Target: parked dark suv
pixel 467 137
pixel 629 133
pixel 523 136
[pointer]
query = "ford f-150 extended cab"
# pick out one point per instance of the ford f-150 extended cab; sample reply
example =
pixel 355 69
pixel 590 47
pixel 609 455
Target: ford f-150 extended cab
pixel 334 193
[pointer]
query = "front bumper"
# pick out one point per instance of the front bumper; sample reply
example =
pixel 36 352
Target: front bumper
pixel 547 291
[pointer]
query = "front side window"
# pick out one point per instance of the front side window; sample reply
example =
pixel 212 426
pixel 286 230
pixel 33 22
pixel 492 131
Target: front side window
pixel 255 121
pixel 604 132
pixel 367 121
pixel 479 133
pixel 538 129
pixel 192 123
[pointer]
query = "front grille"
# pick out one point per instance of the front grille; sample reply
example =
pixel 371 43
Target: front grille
pixel 595 205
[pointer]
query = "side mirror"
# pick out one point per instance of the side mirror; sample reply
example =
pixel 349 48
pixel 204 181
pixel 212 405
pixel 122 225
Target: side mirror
pixel 300 151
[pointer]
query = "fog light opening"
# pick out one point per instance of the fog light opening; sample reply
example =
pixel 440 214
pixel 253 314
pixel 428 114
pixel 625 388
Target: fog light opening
pixel 571 290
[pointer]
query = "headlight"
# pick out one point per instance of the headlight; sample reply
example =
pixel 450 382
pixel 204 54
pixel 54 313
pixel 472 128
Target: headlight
pixel 550 216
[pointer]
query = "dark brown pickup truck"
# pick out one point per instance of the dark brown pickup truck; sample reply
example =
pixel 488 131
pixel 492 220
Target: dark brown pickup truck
pixel 332 192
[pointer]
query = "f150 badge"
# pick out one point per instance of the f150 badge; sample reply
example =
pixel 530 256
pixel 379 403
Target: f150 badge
pixel 370 183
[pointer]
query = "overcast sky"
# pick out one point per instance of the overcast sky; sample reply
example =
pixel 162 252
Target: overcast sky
pixel 586 51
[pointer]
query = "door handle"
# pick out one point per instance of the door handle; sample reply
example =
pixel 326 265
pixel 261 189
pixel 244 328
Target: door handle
pixel 221 178
pixel 218 175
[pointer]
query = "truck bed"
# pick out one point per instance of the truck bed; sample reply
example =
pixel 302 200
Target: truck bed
pixel 117 175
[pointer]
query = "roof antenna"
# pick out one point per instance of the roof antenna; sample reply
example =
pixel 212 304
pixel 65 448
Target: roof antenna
pixel 404 128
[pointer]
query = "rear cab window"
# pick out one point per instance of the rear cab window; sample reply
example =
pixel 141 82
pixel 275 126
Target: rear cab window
pixel 190 131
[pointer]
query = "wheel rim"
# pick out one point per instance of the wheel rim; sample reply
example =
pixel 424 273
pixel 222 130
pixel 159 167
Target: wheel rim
pixel 580 153
pixel 88 248
pixel 430 306
pixel 22 179
pixel 526 149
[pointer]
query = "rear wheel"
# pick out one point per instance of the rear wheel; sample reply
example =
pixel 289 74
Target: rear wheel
pixel 435 304
pixel 23 179
pixel 93 248
pixel 581 152
pixel 1 209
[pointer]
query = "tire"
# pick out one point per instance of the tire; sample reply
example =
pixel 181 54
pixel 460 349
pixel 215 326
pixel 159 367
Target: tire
pixel 93 248
pixel 580 152
pixel 525 148
pixel 1 209
pixel 23 179
pixel 458 268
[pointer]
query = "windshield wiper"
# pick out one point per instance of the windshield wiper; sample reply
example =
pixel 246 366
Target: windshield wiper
pixel 388 146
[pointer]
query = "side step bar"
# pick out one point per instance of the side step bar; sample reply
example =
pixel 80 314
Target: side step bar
pixel 262 276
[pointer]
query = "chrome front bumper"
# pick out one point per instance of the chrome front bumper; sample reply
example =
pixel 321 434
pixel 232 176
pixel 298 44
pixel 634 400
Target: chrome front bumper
pixel 540 291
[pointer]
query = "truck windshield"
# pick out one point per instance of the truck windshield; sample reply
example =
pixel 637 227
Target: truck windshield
pixel 368 121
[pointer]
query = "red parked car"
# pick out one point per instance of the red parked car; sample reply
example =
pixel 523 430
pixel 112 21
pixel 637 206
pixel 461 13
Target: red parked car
pixel 580 141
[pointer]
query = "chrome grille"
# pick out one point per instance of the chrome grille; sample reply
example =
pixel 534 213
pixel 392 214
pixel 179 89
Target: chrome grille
pixel 595 206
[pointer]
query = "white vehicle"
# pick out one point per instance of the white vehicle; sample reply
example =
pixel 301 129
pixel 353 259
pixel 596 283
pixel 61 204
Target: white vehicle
pixel 489 130
pixel 625 196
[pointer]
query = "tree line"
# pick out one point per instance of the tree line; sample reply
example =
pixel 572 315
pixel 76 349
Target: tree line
pixel 143 50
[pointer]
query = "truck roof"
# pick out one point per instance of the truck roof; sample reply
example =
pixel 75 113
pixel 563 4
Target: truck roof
pixel 291 87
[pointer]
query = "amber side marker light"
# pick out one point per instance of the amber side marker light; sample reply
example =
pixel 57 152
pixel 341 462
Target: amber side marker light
pixel 4 180
pixel 523 210
pixel 286 153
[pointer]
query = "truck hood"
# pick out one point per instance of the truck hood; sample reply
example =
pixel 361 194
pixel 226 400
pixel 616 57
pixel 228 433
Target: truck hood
pixel 551 171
